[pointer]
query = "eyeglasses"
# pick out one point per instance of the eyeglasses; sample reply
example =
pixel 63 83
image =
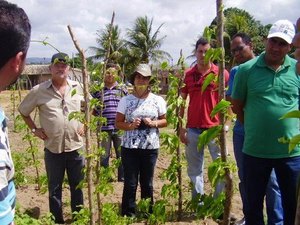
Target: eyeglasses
pixel 237 49
pixel 64 107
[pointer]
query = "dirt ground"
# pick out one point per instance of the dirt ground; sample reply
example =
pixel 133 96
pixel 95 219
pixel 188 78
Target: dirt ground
pixel 29 198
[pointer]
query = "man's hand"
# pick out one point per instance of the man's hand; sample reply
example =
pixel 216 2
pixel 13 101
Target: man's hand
pixel 80 131
pixel 182 136
pixel 40 133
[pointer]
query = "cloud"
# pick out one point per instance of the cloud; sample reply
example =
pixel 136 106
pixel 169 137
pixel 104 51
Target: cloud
pixel 183 20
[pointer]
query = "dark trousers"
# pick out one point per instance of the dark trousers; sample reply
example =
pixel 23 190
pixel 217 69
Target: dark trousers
pixel 56 165
pixel 256 177
pixel 138 165
pixel 273 196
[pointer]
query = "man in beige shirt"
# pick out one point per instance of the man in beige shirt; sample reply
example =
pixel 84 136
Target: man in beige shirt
pixel 55 100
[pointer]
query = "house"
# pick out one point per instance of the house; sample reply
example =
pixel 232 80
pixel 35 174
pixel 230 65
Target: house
pixel 36 74
pixel 163 77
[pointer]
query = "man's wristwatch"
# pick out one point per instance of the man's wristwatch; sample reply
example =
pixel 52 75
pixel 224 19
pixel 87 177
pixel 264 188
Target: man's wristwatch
pixel 33 130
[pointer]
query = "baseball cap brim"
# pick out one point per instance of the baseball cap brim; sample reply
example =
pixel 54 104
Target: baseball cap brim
pixel 60 57
pixel 281 35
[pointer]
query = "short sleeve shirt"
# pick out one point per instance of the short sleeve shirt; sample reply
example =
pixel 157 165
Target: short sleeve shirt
pixel 238 126
pixel 132 107
pixel 201 103
pixel 54 111
pixel 268 95
pixel 111 98
pixel 7 187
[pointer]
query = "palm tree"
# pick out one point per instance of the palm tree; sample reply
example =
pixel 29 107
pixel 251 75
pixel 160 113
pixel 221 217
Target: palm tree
pixel 144 44
pixel 239 20
pixel 116 48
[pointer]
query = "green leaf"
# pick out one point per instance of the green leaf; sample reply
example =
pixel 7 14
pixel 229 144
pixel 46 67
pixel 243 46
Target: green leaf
pixel 164 65
pixel 293 142
pixel 74 91
pixel 208 33
pixel 208 135
pixel 222 106
pixel 215 171
pixel 210 78
pixel 283 140
pixel 292 114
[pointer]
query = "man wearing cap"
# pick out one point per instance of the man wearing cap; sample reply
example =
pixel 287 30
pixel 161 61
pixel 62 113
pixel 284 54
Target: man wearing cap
pixel 242 51
pixel 265 88
pixel 55 100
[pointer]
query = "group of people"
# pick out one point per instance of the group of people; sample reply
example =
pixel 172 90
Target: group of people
pixel 139 114
pixel 262 89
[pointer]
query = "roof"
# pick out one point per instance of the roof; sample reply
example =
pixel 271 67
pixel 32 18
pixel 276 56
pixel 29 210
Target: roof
pixel 36 69
pixel 43 69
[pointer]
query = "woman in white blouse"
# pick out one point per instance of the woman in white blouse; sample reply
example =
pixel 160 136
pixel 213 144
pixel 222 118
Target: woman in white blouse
pixel 139 114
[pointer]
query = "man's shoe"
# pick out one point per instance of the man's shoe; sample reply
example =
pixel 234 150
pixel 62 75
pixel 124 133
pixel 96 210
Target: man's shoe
pixel 232 218
pixel 60 221
pixel 240 222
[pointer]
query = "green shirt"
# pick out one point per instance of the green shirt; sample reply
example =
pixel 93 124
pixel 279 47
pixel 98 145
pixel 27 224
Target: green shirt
pixel 268 95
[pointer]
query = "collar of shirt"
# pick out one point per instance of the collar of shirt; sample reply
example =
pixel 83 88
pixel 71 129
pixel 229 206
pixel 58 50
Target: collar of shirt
pixel 213 69
pixel 115 86
pixel 262 63
pixel 70 83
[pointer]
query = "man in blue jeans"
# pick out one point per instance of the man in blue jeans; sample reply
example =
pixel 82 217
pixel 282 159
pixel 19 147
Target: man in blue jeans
pixel 264 89
pixel 112 93
pixel 201 104
pixel 242 51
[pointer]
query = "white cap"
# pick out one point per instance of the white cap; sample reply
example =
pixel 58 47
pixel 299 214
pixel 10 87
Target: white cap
pixel 283 29
pixel 144 70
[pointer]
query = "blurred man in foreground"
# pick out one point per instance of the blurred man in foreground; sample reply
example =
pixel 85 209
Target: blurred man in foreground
pixel 15 32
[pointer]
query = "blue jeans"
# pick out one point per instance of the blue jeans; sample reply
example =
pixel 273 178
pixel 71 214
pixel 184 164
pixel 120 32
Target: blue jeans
pixel 138 165
pixel 273 197
pixel 113 137
pixel 256 172
pixel 195 161
pixel 56 166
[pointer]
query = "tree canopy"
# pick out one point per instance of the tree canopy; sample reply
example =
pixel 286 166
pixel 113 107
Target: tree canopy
pixel 239 20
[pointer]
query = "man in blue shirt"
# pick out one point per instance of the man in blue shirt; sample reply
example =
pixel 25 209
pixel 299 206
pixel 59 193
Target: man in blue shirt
pixel 15 32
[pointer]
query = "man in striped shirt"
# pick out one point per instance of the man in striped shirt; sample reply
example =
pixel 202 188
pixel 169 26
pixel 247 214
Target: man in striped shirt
pixel 112 93
pixel 15 32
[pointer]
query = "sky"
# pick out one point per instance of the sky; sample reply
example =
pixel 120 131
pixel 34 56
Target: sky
pixel 184 20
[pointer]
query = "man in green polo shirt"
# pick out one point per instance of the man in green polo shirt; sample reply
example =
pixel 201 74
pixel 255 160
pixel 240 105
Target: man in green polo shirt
pixel 265 88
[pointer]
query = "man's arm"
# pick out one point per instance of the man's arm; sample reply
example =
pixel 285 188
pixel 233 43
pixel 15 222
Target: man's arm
pixel 39 132
pixel 238 109
pixel 182 131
